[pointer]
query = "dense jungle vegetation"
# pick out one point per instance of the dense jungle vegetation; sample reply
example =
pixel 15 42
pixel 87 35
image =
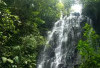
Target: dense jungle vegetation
pixel 23 27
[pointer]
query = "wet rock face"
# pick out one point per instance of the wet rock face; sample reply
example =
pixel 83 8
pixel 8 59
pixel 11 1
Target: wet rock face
pixel 63 40
pixel 76 14
pixel 71 44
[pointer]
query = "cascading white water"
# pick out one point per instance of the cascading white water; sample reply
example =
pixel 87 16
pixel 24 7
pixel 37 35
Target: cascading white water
pixel 62 41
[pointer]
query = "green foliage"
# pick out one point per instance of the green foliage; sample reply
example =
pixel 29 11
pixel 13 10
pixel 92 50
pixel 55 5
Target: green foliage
pixel 60 6
pixel 22 24
pixel 27 53
pixel 89 48
pixel 8 24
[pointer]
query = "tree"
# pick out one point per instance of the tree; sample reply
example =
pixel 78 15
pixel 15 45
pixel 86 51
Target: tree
pixel 22 25
pixel 89 48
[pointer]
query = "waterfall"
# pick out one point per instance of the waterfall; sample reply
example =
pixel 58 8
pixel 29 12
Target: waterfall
pixel 60 50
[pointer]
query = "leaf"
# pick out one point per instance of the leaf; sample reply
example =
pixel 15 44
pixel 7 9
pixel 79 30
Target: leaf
pixel 4 59
pixel 9 60
pixel 16 58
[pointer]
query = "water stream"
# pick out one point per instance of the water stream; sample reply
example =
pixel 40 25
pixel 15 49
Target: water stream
pixel 62 40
